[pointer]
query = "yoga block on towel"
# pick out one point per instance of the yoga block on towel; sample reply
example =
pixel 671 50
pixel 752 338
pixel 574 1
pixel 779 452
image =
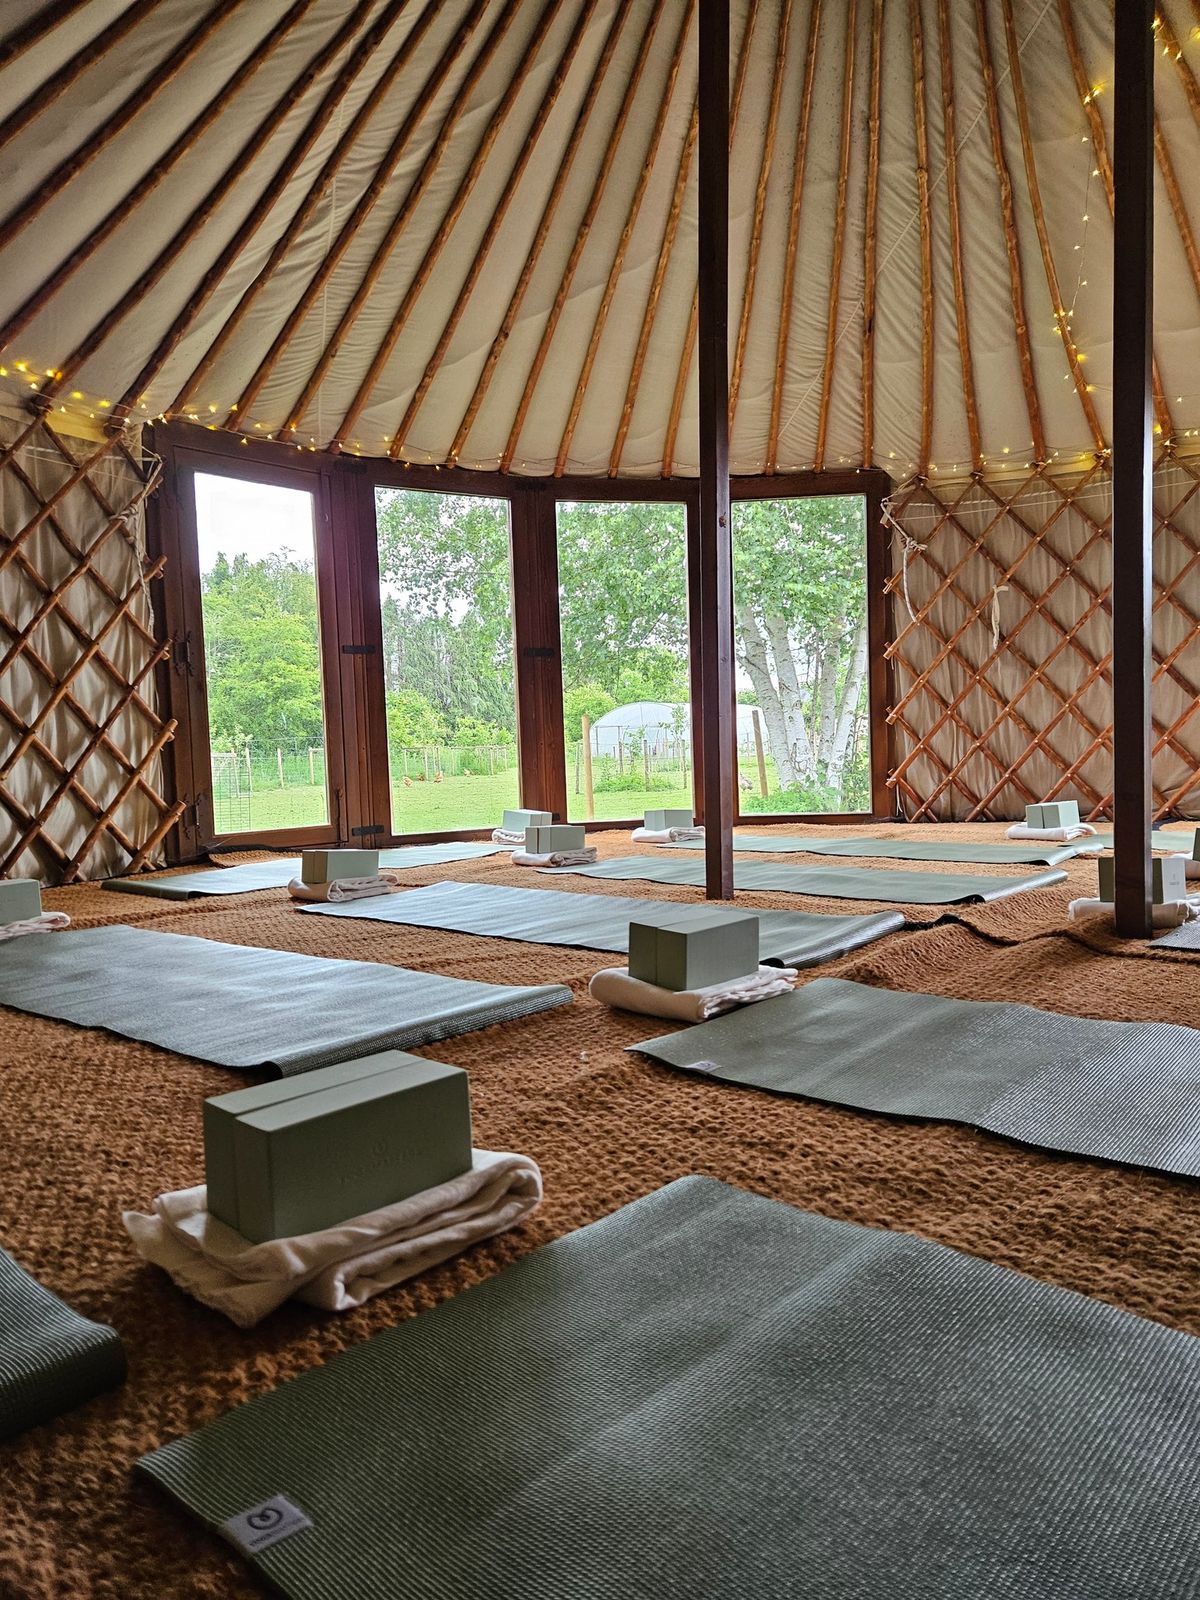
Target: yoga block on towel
pixel 1170 878
pixel 329 866
pixel 690 947
pixel 541 841
pixel 1059 814
pixel 308 1152
pixel 20 899
pixel 657 821
pixel 519 821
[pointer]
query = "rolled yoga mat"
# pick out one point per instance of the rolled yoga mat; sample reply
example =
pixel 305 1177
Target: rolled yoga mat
pixel 1122 1091
pixel 598 921
pixel 835 883
pixel 239 1006
pixel 51 1358
pixel 712 1394
pixel 277 874
pixel 1160 839
pixel 1015 855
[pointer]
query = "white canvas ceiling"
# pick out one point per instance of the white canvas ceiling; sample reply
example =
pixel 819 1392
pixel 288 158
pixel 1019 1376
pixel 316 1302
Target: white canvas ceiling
pixel 456 231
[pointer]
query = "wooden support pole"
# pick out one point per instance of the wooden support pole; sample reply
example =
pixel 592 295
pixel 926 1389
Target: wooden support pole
pixel 1133 471
pixel 716 545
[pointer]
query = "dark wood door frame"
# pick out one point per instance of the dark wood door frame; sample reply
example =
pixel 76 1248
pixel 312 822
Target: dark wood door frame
pixel 344 489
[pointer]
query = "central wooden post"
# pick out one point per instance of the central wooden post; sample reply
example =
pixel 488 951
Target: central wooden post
pixel 1132 463
pixel 716 546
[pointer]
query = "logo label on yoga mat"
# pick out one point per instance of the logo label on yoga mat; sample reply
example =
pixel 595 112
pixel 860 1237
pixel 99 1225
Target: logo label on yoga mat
pixel 264 1525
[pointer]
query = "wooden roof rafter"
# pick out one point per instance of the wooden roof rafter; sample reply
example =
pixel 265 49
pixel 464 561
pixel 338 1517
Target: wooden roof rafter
pixel 399 320
pixel 778 75
pixel 949 123
pixel 870 236
pixel 215 196
pixel 371 195
pixel 689 339
pixel 330 106
pixel 618 260
pixel 839 239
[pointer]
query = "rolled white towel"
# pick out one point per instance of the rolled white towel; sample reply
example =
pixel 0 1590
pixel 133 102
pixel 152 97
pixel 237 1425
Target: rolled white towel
pixel 556 858
pixel 1076 830
pixel 1171 914
pixel 614 987
pixel 503 836
pixel 47 922
pixel 664 835
pixel 342 1267
pixel 344 888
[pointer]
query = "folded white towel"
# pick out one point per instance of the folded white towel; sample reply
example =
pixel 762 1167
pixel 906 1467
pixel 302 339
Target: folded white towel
pixel 48 922
pixel 504 836
pixel 344 888
pixel 557 858
pixel 1076 830
pixel 1192 868
pixel 341 1267
pixel 664 835
pixel 614 987
pixel 1171 914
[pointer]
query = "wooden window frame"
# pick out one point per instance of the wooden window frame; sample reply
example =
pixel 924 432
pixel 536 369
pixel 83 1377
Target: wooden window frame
pixel 348 562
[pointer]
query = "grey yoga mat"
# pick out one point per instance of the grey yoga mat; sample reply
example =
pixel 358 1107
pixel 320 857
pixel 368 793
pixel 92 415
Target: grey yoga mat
pixel 239 1006
pixel 51 1358
pixel 599 921
pixel 837 883
pixel 1160 839
pixel 1122 1091
pixel 710 1393
pixel 277 874
pixel 914 849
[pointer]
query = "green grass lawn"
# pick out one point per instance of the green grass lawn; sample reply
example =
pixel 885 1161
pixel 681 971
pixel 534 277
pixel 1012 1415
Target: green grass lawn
pixel 463 802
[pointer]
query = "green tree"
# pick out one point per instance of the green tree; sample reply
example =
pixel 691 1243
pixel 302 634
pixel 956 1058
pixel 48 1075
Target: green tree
pixel 585 701
pixel 413 720
pixel 262 652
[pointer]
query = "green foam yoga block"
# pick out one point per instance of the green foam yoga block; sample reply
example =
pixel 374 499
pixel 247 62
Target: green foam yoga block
pixel 562 836
pixel 1170 878
pixel 1056 814
pixel 328 866
pixel 519 821
pixel 690 947
pixel 657 821
pixel 20 899
pixel 307 1153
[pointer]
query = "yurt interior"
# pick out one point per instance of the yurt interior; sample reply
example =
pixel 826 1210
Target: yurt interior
pixel 739 459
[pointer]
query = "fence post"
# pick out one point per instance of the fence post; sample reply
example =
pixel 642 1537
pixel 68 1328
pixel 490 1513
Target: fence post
pixel 646 763
pixel 249 773
pixel 758 750
pixel 312 774
pixel 491 761
pixel 588 792
pixel 279 764
pixel 578 760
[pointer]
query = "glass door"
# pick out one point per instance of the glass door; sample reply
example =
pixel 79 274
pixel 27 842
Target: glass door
pixel 800 631
pixel 623 604
pixel 260 607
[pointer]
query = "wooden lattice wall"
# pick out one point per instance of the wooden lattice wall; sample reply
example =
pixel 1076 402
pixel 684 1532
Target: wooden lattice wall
pixel 80 735
pixel 1000 644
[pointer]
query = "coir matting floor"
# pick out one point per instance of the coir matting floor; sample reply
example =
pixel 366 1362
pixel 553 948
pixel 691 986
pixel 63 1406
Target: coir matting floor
pixel 94 1124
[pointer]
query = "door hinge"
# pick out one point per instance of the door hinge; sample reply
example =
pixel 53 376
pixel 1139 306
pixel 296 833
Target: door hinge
pixel 370 827
pixel 545 652
pixel 358 649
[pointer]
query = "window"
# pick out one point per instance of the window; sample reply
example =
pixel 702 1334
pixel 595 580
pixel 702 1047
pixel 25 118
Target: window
pixel 800 625
pixel 622 570
pixel 446 611
pixel 262 655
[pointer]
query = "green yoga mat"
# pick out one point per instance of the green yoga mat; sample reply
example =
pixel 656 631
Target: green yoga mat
pixel 836 883
pixel 1015 855
pixel 712 1394
pixel 1161 839
pixel 277 874
pixel 598 921
pixel 1121 1091
pixel 51 1358
pixel 239 1006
